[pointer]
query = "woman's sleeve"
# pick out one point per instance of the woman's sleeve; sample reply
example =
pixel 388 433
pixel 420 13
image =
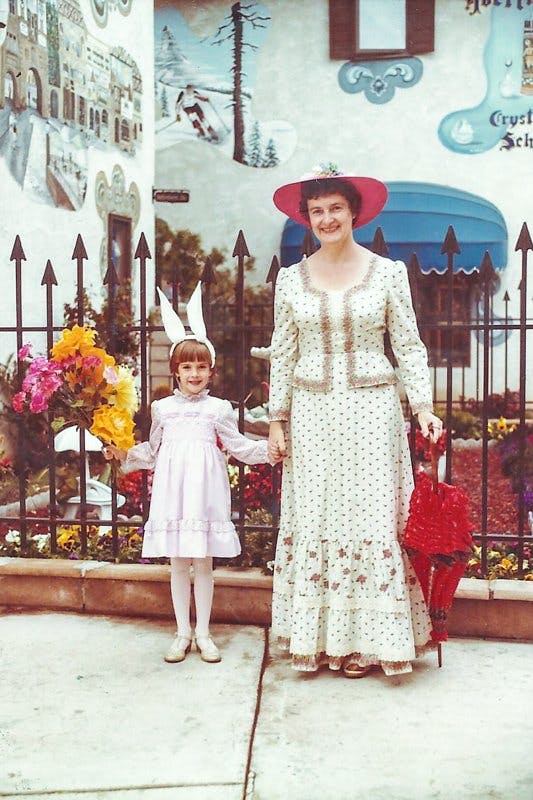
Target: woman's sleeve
pixel 251 451
pixel 407 345
pixel 144 454
pixel 283 352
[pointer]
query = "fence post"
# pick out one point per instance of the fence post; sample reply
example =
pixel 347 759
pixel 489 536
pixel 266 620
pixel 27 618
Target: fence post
pixel 450 247
pixel 523 244
pixel 486 274
pixel 18 256
pixel 49 279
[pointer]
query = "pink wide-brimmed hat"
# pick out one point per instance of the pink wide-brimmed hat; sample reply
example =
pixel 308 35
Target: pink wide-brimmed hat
pixel 373 194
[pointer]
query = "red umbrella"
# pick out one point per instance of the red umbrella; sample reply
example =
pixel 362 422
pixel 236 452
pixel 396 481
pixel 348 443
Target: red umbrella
pixel 438 541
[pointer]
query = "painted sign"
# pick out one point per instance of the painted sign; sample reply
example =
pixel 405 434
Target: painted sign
pixel 505 115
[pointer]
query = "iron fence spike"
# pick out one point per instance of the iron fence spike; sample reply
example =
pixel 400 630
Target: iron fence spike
pixel 79 251
pixel 273 271
pixel 241 248
pixel 17 253
pixel 524 242
pixel 49 277
pixel 379 245
pixel 450 244
pixel 143 250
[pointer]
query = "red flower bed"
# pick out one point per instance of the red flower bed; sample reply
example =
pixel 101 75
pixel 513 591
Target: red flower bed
pixel 502 514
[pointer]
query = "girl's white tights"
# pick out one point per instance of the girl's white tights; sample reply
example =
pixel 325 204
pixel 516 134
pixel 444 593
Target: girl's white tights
pixel 180 588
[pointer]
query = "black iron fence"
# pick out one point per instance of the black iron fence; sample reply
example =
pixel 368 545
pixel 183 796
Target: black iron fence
pixel 475 355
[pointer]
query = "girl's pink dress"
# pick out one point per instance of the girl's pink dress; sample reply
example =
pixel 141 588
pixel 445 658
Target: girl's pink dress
pixel 190 509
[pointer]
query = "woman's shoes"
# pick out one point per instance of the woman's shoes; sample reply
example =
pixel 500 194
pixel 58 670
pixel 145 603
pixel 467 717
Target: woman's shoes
pixel 179 648
pixel 208 650
pixel 352 669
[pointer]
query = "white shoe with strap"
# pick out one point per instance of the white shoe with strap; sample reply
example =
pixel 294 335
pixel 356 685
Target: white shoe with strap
pixel 208 650
pixel 181 645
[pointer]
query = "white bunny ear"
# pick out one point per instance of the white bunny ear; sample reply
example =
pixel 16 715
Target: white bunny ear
pixel 195 314
pixel 171 322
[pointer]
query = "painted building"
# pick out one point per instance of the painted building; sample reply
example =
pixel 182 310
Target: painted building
pixel 232 99
pixel 431 96
pixel 76 146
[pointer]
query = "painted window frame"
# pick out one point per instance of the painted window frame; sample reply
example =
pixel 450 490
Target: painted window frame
pixel 343 26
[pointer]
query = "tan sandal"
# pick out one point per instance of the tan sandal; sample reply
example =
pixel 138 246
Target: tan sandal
pixel 351 669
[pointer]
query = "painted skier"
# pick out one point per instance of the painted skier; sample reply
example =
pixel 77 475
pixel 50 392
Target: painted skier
pixel 189 100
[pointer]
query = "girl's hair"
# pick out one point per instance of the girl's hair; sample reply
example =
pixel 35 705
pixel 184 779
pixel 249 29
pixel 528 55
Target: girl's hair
pixel 189 350
pixel 323 187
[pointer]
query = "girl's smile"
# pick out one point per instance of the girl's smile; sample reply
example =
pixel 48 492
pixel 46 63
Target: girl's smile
pixel 193 376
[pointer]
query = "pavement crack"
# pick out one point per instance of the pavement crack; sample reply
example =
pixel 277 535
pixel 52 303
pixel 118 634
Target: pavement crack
pixel 249 778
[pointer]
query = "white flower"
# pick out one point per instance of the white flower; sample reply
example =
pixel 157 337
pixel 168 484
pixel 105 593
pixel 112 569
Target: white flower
pixel 13 537
pixel 270 566
pixel 41 540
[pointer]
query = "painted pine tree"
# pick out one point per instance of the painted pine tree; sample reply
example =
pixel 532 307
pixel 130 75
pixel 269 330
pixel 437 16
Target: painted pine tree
pixel 241 14
pixel 271 158
pixel 164 102
pixel 255 157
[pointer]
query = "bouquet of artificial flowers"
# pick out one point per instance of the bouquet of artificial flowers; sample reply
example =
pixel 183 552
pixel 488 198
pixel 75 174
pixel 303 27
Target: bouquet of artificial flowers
pixel 80 384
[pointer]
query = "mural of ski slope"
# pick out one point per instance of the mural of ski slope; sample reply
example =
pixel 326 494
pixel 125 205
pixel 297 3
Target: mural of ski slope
pixel 204 87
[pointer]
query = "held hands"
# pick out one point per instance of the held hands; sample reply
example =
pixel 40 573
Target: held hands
pixel 277 443
pixel 430 425
pixel 111 451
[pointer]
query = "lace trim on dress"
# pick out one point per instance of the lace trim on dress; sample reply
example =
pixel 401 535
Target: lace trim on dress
pixel 279 416
pixel 417 408
pixel 153 527
pixel 310 663
pixel 354 382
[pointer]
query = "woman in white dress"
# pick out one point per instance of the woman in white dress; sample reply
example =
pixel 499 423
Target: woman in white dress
pixel 344 592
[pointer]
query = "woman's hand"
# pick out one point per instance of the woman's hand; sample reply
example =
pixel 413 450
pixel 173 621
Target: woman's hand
pixel 112 451
pixel 277 445
pixel 430 425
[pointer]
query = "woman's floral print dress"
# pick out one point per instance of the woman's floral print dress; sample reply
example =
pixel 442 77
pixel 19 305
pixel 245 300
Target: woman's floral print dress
pixel 342 584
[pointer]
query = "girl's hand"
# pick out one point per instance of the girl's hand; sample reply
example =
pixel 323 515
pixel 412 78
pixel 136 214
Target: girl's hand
pixel 430 425
pixel 112 451
pixel 277 444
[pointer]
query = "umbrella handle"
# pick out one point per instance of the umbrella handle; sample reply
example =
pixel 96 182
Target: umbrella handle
pixel 434 466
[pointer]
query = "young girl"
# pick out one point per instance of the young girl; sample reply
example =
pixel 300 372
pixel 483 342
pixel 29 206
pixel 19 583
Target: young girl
pixel 190 512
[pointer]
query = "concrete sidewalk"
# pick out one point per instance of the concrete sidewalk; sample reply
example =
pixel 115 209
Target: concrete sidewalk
pixel 89 710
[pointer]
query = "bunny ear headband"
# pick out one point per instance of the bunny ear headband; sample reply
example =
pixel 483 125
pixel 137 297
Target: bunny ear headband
pixel 174 326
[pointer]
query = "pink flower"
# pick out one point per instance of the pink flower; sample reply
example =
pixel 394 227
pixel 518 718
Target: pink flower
pixel 38 403
pixel 110 375
pixel 24 351
pixel 49 384
pixel 90 362
pixel 18 402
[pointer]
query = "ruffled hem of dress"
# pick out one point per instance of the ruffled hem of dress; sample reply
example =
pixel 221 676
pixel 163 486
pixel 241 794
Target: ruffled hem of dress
pixel 190 539
pixel 311 663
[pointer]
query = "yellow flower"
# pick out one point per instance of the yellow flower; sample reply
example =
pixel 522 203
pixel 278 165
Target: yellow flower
pixel 67 537
pixel 506 563
pixel 502 424
pixel 123 394
pixel 114 426
pixel 72 342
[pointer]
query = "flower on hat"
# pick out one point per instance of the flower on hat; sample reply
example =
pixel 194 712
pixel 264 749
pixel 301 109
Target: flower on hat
pixel 326 169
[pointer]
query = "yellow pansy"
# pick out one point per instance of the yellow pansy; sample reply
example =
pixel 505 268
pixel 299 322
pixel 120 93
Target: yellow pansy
pixel 113 425
pixel 73 341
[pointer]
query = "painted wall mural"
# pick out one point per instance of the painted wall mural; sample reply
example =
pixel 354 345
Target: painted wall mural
pixel 505 115
pixel 101 9
pixel 61 92
pixel 204 87
pixel 380 79
pixel 119 209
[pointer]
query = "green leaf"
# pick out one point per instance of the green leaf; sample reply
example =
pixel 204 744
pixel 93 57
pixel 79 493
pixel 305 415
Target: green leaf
pixel 57 424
